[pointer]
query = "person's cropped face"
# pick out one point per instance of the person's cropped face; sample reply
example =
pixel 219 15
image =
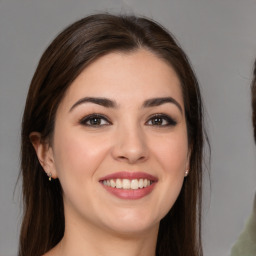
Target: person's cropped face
pixel 120 147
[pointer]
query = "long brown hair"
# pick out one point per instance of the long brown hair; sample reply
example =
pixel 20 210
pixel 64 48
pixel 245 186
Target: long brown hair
pixel 72 50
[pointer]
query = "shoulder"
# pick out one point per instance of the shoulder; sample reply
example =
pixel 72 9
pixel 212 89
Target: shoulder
pixel 246 243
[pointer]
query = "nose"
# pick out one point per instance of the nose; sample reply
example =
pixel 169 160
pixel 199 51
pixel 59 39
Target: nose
pixel 130 145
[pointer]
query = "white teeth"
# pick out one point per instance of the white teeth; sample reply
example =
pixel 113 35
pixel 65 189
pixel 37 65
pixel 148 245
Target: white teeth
pixel 112 183
pixel 127 184
pixel 134 184
pixel 141 185
pixel 118 183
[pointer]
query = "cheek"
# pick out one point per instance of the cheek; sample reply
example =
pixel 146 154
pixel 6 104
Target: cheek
pixel 172 153
pixel 77 156
pixel 77 159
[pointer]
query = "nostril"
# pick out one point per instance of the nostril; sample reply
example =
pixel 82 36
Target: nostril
pixel 131 159
pixel 130 148
pixel 122 157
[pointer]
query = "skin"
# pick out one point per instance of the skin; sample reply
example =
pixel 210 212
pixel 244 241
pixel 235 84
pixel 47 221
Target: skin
pixel 127 139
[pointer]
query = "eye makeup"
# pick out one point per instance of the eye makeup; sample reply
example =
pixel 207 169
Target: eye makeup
pixel 161 120
pixel 95 120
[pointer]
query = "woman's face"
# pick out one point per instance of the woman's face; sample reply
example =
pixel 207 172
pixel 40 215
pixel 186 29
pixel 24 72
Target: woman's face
pixel 120 147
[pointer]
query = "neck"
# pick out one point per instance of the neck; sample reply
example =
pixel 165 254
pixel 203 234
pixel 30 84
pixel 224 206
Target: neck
pixel 84 241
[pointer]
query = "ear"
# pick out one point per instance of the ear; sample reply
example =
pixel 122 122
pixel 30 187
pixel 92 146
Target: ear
pixel 44 153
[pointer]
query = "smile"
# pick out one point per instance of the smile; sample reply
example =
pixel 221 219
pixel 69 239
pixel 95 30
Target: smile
pixel 127 184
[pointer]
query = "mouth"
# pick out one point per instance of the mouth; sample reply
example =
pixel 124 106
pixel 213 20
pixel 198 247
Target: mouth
pixel 127 185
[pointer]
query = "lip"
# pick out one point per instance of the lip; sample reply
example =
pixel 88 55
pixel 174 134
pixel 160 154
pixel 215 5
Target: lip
pixel 130 194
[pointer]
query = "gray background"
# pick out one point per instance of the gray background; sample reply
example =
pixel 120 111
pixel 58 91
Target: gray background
pixel 220 40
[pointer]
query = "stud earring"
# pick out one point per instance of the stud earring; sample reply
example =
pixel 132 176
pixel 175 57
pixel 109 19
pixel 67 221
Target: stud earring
pixel 186 173
pixel 49 176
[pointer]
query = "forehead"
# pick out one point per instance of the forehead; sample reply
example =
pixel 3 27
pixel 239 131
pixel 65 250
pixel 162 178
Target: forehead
pixel 126 76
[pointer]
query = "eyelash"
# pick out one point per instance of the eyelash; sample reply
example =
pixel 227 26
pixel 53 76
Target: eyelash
pixel 93 117
pixel 162 117
pixel 154 118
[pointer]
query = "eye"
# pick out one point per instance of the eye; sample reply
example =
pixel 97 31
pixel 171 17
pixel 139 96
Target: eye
pixel 95 120
pixel 161 120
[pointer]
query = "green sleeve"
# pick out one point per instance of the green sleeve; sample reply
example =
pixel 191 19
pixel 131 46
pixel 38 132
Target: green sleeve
pixel 246 243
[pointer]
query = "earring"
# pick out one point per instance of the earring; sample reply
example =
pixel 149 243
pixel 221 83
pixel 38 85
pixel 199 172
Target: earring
pixel 50 176
pixel 186 173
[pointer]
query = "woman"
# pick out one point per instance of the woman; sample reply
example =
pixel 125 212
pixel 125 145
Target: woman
pixel 111 128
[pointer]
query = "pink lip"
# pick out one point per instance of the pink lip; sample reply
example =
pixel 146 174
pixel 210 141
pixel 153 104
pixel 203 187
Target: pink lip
pixel 130 193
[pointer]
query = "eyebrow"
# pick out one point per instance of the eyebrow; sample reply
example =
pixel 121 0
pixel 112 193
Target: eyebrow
pixel 160 101
pixel 107 103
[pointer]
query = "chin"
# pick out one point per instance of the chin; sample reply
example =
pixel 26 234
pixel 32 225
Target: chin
pixel 131 224
pixel 127 230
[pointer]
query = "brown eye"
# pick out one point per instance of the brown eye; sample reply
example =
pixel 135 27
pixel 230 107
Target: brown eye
pixel 161 120
pixel 95 120
pixel 157 121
